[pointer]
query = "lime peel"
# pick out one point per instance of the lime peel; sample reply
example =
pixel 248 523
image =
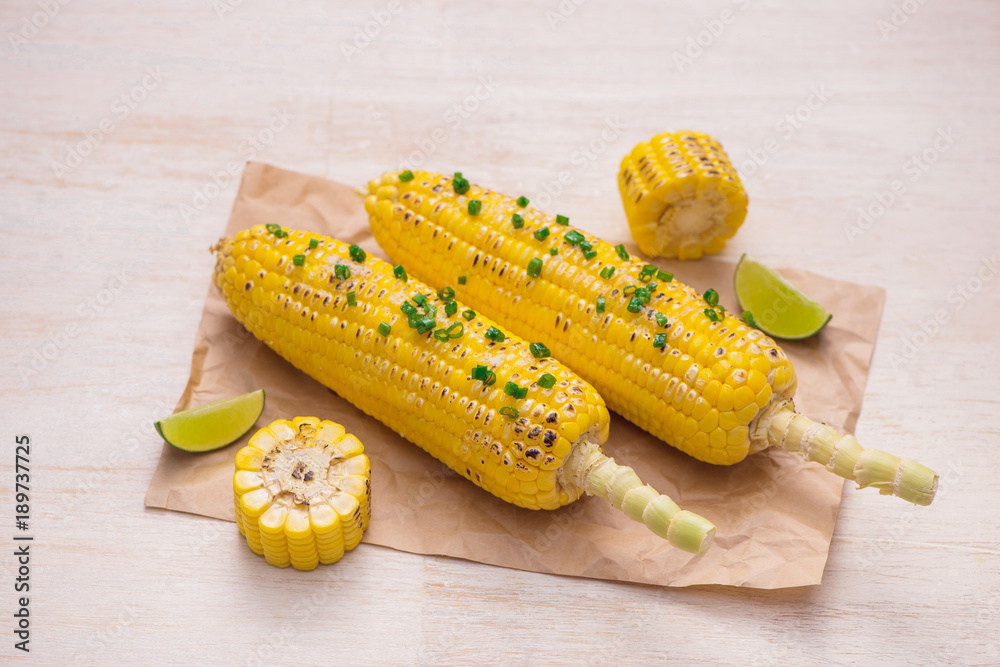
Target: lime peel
pixel 212 426
pixel 776 307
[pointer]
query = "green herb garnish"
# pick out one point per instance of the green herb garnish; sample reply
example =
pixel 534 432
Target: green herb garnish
pixel 539 351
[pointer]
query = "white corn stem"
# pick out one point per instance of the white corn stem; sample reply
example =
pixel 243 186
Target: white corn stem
pixel 600 475
pixel 844 456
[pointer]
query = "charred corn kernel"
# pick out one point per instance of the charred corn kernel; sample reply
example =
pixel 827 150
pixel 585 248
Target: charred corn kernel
pixel 444 394
pixel 682 196
pixel 714 389
pixel 290 481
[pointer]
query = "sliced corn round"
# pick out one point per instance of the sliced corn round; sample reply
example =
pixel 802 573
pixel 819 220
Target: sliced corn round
pixel 682 196
pixel 302 492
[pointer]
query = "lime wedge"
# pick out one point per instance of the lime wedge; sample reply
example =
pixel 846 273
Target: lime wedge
pixel 777 307
pixel 214 425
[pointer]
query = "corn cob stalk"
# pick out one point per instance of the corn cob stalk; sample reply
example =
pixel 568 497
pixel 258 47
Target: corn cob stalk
pixel 682 197
pixel 707 384
pixel 500 413
pixel 302 490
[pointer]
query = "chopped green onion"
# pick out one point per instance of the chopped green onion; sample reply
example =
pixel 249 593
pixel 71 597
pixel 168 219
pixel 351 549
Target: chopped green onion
pixel 590 254
pixel 313 244
pixel 446 294
pixel 406 176
pixel 573 237
pixel 547 381
pixel 622 252
pixel 517 221
pixel 475 206
pixel 399 272
pixel 712 315
pixel 299 260
pixel 634 305
pixel 450 308
pixel 341 272
pixel 486 375
pixel 408 309
pixel 553 251
pixel 425 324
pixel 441 335
pixel 542 234
pixel 522 201
pixel 642 293
pixel 600 304
pixel 357 254
pixel 469 314
pixel 384 328
pixel 494 335
pixel 562 220
pixel 508 411
pixel 539 351
pixel 535 267
pixel 461 280
pixel 351 299
pixel 652 287
pixel 586 245
pixel 456 330
pixel 647 273
pixel 660 340
pixel 607 272
pixel 511 389
pixel 748 318
pixel 460 185
pixel 665 276
pixel 712 298
pixel 419 299
pixel 661 319
pixel 522 392
pixel 629 290
pixel 274 229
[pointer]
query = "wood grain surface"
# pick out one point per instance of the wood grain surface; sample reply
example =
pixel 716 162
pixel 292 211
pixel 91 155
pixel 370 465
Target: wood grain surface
pixel 867 137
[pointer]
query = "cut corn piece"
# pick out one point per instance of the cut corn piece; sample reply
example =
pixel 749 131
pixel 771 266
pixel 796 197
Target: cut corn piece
pixel 436 377
pixel 287 495
pixel 705 383
pixel 682 196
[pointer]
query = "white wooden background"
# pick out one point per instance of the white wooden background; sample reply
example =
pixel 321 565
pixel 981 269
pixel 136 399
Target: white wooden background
pixel 105 268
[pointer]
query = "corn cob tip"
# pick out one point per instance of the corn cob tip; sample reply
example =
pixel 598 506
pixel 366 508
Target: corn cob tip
pixel 601 476
pixel 844 456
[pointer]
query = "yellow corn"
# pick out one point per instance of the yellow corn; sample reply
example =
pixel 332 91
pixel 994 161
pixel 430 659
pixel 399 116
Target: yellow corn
pixel 302 490
pixel 501 414
pixel 682 197
pixel 714 388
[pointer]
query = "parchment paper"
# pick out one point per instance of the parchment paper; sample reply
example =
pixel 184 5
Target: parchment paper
pixel 774 512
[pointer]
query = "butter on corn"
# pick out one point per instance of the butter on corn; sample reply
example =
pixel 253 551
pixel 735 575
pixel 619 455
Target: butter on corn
pixel 302 490
pixel 658 353
pixel 682 196
pixel 495 408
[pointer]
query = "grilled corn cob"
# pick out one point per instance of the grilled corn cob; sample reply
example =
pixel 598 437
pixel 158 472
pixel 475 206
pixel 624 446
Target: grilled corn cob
pixel 499 412
pixel 682 197
pixel 303 491
pixel 661 356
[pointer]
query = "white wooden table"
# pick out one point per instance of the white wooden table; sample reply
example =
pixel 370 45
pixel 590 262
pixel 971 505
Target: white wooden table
pixel 123 123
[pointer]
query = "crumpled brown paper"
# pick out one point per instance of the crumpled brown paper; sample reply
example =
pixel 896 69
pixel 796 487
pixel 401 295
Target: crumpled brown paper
pixel 774 512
